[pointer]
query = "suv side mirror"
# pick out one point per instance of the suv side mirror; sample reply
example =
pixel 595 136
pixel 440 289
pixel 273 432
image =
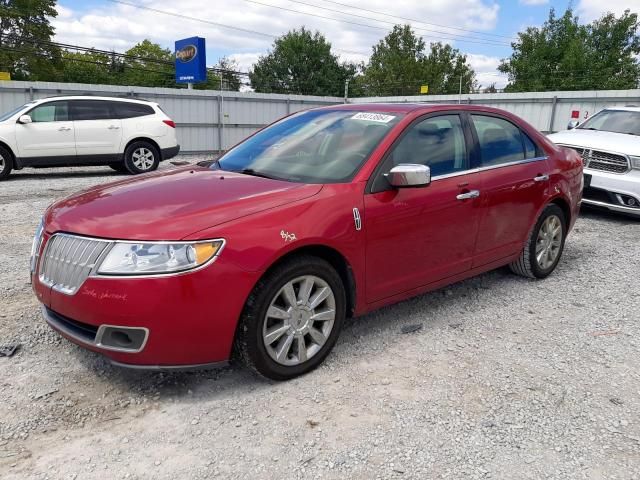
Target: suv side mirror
pixel 24 119
pixel 573 124
pixel 409 175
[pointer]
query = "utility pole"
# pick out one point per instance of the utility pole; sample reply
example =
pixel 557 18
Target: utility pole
pixel 346 91
pixel 460 91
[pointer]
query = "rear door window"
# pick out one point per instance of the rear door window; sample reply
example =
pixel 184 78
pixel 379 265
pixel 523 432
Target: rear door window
pixel 50 112
pixel 500 141
pixel 91 110
pixel 131 110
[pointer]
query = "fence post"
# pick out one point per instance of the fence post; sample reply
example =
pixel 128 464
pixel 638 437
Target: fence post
pixel 552 117
pixel 346 91
pixel 220 123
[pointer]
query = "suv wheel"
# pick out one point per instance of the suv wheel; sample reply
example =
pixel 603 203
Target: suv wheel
pixel 141 157
pixel 292 319
pixel 6 163
pixel 543 250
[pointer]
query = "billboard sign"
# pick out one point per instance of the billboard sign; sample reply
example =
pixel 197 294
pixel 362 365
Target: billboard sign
pixel 191 60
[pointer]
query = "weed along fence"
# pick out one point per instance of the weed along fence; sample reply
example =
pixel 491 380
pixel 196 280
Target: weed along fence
pixel 209 120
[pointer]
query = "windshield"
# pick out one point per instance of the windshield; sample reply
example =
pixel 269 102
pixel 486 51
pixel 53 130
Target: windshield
pixel 318 146
pixel 10 114
pixel 619 121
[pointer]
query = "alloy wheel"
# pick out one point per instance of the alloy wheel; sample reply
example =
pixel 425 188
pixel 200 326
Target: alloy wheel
pixel 3 164
pixel 299 320
pixel 549 242
pixel 143 158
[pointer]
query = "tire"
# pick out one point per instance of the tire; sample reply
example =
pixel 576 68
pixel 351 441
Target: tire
pixel 529 264
pixel 119 167
pixel 141 157
pixel 269 295
pixel 6 163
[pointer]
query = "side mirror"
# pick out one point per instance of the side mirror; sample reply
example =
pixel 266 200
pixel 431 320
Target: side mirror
pixel 573 124
pixel 24 119
pixel 409 175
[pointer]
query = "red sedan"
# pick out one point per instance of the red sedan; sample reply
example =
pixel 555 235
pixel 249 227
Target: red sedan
pixel 326 214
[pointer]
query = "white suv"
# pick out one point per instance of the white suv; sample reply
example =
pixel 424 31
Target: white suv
pixel 609 143
pixel 128 135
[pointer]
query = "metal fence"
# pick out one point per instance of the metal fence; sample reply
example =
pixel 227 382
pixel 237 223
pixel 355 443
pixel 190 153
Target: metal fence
pixel 547 111
pixel 215 120
pixel 207 120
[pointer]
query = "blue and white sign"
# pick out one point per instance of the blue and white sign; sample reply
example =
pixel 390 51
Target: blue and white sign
pixel 191 60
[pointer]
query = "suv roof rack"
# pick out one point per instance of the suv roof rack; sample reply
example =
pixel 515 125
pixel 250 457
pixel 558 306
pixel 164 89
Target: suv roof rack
pixel 126 96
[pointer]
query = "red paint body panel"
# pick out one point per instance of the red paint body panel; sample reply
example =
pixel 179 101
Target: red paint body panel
pixel 416 236
pixel 411 241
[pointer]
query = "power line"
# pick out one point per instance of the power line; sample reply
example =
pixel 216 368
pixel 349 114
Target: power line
pixel 201 20
pixel 414 20
pixel 455 36
pixel 486 42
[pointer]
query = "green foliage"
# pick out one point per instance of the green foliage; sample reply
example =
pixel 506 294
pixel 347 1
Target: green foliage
pixel 147 68
pixel 24 26
pixel 565 55
pixel 301 62
pixel 400 64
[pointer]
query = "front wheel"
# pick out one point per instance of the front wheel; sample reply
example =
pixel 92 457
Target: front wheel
pixel 544 247
pixel 141 157
pixel 292 319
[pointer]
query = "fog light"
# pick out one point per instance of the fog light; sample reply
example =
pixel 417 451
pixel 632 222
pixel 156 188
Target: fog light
pixel 628 201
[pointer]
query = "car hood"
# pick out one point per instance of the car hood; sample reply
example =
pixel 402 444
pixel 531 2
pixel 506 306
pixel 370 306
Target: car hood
pixel 598 140
pixel 170 205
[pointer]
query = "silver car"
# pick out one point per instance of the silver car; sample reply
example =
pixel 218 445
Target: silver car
pixel 609 143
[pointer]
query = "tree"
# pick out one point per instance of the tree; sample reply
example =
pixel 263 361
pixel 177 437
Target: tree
pixel 399 65
pixel 150 65
pixel 301 62
pixel 224 70
pixel 490 89
pixel 24 33
pixel 566 55
pixel 91 67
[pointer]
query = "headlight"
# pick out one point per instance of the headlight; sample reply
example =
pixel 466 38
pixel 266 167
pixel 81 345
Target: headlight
pixel 35 246
pixel 635 162
pixel 126 258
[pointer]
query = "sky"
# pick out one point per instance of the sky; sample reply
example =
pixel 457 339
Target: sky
pixel 482 29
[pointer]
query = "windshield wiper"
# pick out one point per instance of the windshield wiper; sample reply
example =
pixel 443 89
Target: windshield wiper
pixel 251 171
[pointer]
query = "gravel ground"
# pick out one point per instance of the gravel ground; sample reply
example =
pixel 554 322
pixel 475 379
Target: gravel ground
pixel 507 378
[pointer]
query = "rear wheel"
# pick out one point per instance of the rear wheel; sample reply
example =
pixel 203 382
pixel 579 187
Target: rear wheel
pixel 543 250
pixel 6 163
pixel 292 319
pixel 141 157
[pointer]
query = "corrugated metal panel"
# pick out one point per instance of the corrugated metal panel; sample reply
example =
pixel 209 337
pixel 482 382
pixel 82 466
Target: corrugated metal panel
pixel 197 112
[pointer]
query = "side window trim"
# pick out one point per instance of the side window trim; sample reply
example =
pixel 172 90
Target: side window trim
pixel 385 157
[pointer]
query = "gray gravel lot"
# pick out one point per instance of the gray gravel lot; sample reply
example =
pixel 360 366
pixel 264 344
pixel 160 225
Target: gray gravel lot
pixel 508 378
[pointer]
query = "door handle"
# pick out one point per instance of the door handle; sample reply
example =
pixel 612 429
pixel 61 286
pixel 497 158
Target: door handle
pixel 113 127
pixel 468 195
pixel 541 178
pixel 64 129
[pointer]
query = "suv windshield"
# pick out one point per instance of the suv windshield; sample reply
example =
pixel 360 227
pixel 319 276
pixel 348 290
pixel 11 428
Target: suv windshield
pixel 619 121
pixel 14 111
pixel 318 146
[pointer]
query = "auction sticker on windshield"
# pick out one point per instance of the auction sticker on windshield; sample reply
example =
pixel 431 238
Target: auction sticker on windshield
pixel 373 117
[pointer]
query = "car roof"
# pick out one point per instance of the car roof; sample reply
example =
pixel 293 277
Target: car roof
pixel 94 97
pixel 628 108
pixel 412 107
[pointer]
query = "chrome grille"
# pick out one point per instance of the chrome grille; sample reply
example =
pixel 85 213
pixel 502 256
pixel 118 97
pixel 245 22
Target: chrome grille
pixel 604 161
pixel 68 260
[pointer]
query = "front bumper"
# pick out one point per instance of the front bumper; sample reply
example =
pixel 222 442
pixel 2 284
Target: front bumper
pixel 180 321
pixel 609 191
